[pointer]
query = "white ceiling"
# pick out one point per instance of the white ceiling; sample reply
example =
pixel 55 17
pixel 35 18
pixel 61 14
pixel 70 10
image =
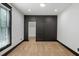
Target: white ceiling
pixel 37 10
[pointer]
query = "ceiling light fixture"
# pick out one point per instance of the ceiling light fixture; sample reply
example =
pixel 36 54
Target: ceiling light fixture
pixel 42 5
pixel 55 10
pixel 29 10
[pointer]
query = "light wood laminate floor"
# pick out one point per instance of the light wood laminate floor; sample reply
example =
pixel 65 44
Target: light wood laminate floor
pixel 33 48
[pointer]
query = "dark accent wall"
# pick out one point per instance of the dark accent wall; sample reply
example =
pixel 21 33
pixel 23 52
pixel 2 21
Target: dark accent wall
pixel 50 28
pixel 25 28
pixel 46 27
pixel 40 20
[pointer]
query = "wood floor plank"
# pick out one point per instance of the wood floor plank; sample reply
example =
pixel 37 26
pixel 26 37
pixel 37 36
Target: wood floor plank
pixel 33 48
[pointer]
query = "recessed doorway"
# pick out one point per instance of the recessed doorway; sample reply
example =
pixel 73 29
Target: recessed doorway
pixel 32 31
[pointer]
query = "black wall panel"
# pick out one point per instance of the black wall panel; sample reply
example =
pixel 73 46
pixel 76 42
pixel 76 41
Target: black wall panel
pixel 40 28
pixel 25 28
pixel 46 27
pixel 50 28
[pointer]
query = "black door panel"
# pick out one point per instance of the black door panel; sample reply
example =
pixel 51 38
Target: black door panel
pixel 50 28
pixel 46 28
pixel 40 28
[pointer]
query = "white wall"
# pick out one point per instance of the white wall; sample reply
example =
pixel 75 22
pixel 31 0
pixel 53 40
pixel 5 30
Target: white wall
pixel 68 27
pixel 32 29
pixel 17 29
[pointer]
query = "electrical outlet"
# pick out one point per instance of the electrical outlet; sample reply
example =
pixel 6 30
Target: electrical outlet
pixel 77 49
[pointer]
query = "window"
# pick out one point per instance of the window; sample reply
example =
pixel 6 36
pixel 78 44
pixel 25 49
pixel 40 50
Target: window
pixel 5 26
